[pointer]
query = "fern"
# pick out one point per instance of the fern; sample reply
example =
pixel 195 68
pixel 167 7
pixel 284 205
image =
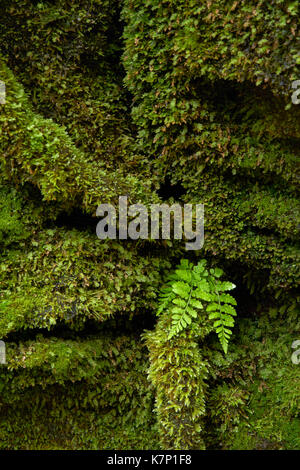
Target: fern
pixel 193 288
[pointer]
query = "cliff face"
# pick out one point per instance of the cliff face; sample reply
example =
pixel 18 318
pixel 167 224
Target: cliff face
pixel 181 101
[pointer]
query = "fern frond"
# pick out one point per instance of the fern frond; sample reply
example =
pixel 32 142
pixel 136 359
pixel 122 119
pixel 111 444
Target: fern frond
pixel 191 289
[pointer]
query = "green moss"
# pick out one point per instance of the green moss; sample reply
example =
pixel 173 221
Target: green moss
pixel 195 94
pixel 254 399
pixel 76 394
pixel 210 90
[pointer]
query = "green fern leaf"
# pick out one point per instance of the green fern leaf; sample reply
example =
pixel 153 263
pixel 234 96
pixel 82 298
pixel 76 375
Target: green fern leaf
pixel 191 289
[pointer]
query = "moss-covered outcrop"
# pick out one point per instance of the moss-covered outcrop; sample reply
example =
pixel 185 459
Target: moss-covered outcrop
pixel 231 145
pixel 77 393
pixel 174 101
pixel 254 398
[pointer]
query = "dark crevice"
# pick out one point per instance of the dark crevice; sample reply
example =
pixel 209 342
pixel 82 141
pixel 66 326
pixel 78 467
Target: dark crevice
pixel 168 190
pixel 76 220
pixel 117 326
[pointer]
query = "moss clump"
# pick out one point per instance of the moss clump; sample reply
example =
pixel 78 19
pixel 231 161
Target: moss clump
pixel 254 398
pixel 187 100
